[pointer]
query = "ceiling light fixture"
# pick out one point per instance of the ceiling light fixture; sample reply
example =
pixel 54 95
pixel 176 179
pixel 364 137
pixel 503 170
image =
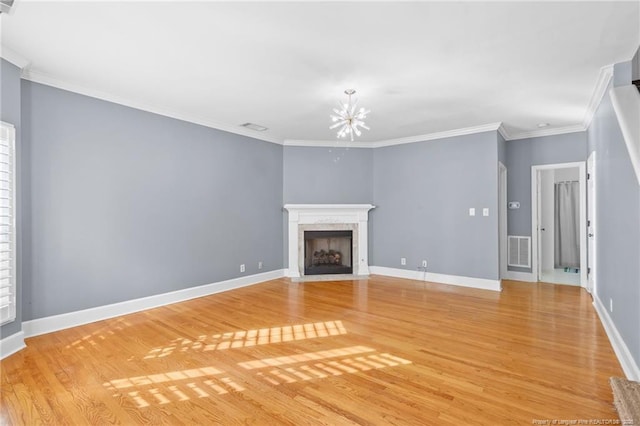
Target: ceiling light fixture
pixel 347 118
pixel 542 125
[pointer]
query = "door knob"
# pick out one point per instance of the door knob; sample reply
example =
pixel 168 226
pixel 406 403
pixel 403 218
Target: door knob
pixel 590 235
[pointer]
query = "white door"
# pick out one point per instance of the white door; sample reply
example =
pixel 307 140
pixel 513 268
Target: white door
pixel 591 222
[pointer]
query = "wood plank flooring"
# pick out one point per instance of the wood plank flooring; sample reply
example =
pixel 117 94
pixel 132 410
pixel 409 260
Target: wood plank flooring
pixel 378 351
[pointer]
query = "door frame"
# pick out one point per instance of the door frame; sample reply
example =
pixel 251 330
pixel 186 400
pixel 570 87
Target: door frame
pixel 592 229
pixel 535 231
pixel 502 218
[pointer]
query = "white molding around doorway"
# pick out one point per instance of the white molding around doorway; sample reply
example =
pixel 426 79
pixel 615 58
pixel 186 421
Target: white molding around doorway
pixel 581 165
pixel 502 218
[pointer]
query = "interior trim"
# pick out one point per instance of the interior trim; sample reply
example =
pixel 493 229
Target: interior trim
pixel 481 283
pixel 73 319
pixel 628 364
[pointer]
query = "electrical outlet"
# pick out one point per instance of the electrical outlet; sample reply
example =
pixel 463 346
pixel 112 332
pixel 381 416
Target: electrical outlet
pixel 260 265
pixel 242 268
pixel 403 260
pixel 610 305
pixel 424 263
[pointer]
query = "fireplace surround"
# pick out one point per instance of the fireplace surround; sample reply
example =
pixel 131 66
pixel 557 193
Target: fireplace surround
pixel 328 217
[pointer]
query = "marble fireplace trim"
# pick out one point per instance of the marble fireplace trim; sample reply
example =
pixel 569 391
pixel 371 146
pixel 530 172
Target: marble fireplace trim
pixel 325 217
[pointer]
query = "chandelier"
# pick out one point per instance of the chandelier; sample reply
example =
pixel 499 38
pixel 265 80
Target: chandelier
pixel 348 119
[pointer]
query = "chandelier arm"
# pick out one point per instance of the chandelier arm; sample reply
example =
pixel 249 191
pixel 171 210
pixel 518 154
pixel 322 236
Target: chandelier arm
pixel 336 125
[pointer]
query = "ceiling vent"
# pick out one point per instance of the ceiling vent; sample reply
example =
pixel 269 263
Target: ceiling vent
pixel 5 6
pixel 254 126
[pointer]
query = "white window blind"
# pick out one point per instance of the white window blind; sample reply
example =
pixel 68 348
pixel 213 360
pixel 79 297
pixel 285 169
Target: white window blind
pixel 7 224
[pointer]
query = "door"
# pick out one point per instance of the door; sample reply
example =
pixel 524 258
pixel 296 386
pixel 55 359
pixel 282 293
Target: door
pixel 591 223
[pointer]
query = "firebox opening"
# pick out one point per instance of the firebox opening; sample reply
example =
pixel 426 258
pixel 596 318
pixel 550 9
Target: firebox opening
pixel 328 252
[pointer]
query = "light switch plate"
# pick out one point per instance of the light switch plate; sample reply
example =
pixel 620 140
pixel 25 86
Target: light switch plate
pixel 472 211
pixel 485 211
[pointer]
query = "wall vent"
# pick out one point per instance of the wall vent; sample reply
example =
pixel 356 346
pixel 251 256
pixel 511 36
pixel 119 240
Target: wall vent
pixel 519 251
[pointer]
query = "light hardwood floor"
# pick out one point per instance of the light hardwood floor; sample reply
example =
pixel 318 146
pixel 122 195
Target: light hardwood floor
pixel 379 351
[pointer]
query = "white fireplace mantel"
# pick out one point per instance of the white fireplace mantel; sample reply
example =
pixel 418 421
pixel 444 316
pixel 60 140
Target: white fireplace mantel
pixel 308 217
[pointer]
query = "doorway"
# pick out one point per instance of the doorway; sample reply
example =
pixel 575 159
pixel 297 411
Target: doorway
pixel 559 244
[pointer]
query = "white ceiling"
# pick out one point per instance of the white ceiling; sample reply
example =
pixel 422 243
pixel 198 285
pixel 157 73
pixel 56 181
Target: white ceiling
pixel 421 67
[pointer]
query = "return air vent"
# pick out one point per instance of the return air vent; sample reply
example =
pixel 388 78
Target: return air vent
pixel 519 251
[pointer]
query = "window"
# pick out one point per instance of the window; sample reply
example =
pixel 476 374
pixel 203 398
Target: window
pixel 7 224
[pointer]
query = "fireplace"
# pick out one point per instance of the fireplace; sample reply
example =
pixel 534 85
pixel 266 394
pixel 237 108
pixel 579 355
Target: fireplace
pixel 328 252
pixel 334 218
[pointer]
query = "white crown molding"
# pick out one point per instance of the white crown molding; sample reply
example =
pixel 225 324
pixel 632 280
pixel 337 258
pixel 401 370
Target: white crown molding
pixel 12 344
pixel 14 57
pixel 546 132
pixel 46 79
pixel 390 142
pixel 604 78
pixel 629 366
pixel 73 319
pixel 479 283
pixel 327 144
pixel 42 78
pixel 438 135
pixel 504 132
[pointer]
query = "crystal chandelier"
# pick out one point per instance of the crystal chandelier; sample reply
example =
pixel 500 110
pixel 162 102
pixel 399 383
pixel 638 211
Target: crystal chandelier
pixel 348 119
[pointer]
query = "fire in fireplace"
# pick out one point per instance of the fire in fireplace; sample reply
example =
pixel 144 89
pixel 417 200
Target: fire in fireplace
pixel 328 252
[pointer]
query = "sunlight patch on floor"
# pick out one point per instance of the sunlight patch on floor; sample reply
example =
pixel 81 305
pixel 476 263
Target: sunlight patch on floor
pixel 305 357
pixel 207 382
pixel 248 338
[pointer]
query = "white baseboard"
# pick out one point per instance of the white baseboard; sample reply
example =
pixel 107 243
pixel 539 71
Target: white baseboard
pixel 520 276
pixel 481 283
pixel 629 366
pixel 86 316
pixel 12 344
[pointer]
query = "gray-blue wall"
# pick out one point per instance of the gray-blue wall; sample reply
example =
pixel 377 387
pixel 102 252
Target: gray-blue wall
pixel 617 225
pixel 127 204
pixel 337 175
pixel 521 155
pixel 10 112
pixel 423 192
